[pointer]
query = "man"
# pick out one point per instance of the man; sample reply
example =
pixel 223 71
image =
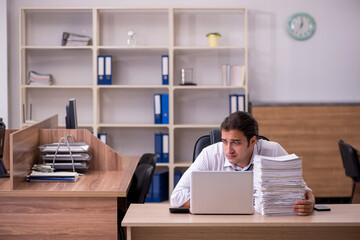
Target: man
pixel 240 143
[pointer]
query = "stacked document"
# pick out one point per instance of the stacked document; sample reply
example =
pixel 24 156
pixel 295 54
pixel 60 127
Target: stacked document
pixel 39 78
pixel 71 39
pixel 73 157
pixel 278 184
pixel 36 176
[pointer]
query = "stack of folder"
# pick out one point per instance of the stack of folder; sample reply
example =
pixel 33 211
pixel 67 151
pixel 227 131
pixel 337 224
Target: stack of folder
pixel 237 102
pixel 36 176
pixel 104 69
pixel 161 108
pixel 162 147
pixel 278 184
pixel 72 39
pixel 159 189
pixel 78 159
pixel 39 78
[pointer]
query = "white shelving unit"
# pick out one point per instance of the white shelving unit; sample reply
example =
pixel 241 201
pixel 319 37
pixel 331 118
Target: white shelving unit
pixel 124 110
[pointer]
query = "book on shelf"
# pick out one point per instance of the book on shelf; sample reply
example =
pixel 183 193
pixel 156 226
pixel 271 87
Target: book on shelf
pixel 35 78
pixel 72 39
pixel 238 75
pixel 233 75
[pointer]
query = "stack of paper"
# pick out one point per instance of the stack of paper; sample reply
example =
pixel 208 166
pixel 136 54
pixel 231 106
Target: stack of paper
pixel 39 78
pixel 78 159
pixel 278 184
pixel 36 176
pixel 71 39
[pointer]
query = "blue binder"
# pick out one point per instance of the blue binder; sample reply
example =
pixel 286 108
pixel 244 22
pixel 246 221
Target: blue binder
pixel 150 194
pixel 160 185
pixel 103 137
pixel 241 102
pixel 177 177
pixel 233 103
pixel 104 69
pixel 158 146
pixel 165 108
pixel 165 148
pixel 165 69
pixel 157 109
pixel 101 70
pixel 108 70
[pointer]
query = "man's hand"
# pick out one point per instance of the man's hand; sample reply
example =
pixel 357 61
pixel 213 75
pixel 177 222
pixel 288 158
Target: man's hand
pixel 305 207
pixel 187 204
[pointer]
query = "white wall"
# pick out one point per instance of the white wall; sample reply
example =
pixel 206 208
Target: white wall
pixel 3 63
pixel 323 69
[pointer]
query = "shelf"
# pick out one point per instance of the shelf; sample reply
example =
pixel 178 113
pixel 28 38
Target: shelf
pixel 132 125
pixel 207 87
pixel 57 47
pixel 209 48
pixel 125 109
pixel 133 86
pixel 134 48
pixel 196 126
pixel 57 86
pixel 187 164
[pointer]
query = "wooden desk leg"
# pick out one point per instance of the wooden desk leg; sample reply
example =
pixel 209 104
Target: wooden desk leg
pixel 128 233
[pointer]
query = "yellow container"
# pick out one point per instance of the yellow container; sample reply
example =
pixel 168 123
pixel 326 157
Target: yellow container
pixel 213 39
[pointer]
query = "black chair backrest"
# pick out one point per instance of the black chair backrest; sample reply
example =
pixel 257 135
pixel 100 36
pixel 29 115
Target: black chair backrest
pixel 263 138
pixel 149 158
pixel 206 140
pixel 140 183
pixel 350 161
pixel 213 137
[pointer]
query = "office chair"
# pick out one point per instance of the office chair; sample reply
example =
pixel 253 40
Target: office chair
pixel 149 158
pixel 351 164
pixel 213 137
pixel 140 185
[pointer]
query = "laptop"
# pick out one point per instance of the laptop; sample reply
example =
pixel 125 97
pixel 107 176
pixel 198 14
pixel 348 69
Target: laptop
pixel 220 192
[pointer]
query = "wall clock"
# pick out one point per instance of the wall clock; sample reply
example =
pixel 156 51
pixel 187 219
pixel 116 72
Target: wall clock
pixel 301 26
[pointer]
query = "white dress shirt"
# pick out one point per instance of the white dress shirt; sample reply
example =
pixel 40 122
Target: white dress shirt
pixel 212 158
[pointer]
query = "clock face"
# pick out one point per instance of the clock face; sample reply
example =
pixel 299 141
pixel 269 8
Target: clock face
pixel 301 26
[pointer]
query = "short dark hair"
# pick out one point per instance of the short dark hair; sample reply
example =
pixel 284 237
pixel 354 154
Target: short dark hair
pixel 242 121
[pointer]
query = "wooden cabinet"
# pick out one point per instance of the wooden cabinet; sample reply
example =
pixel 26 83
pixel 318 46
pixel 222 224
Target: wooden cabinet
pixel 124 110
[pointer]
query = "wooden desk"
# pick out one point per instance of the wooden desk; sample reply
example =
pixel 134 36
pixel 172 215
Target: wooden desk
pixel 86 209
pixel 153 221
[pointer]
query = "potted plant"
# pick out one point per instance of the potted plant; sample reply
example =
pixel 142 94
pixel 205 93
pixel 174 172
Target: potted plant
pixel 213 38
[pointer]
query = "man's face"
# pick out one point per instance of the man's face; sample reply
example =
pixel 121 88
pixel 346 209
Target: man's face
pixel 236 147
